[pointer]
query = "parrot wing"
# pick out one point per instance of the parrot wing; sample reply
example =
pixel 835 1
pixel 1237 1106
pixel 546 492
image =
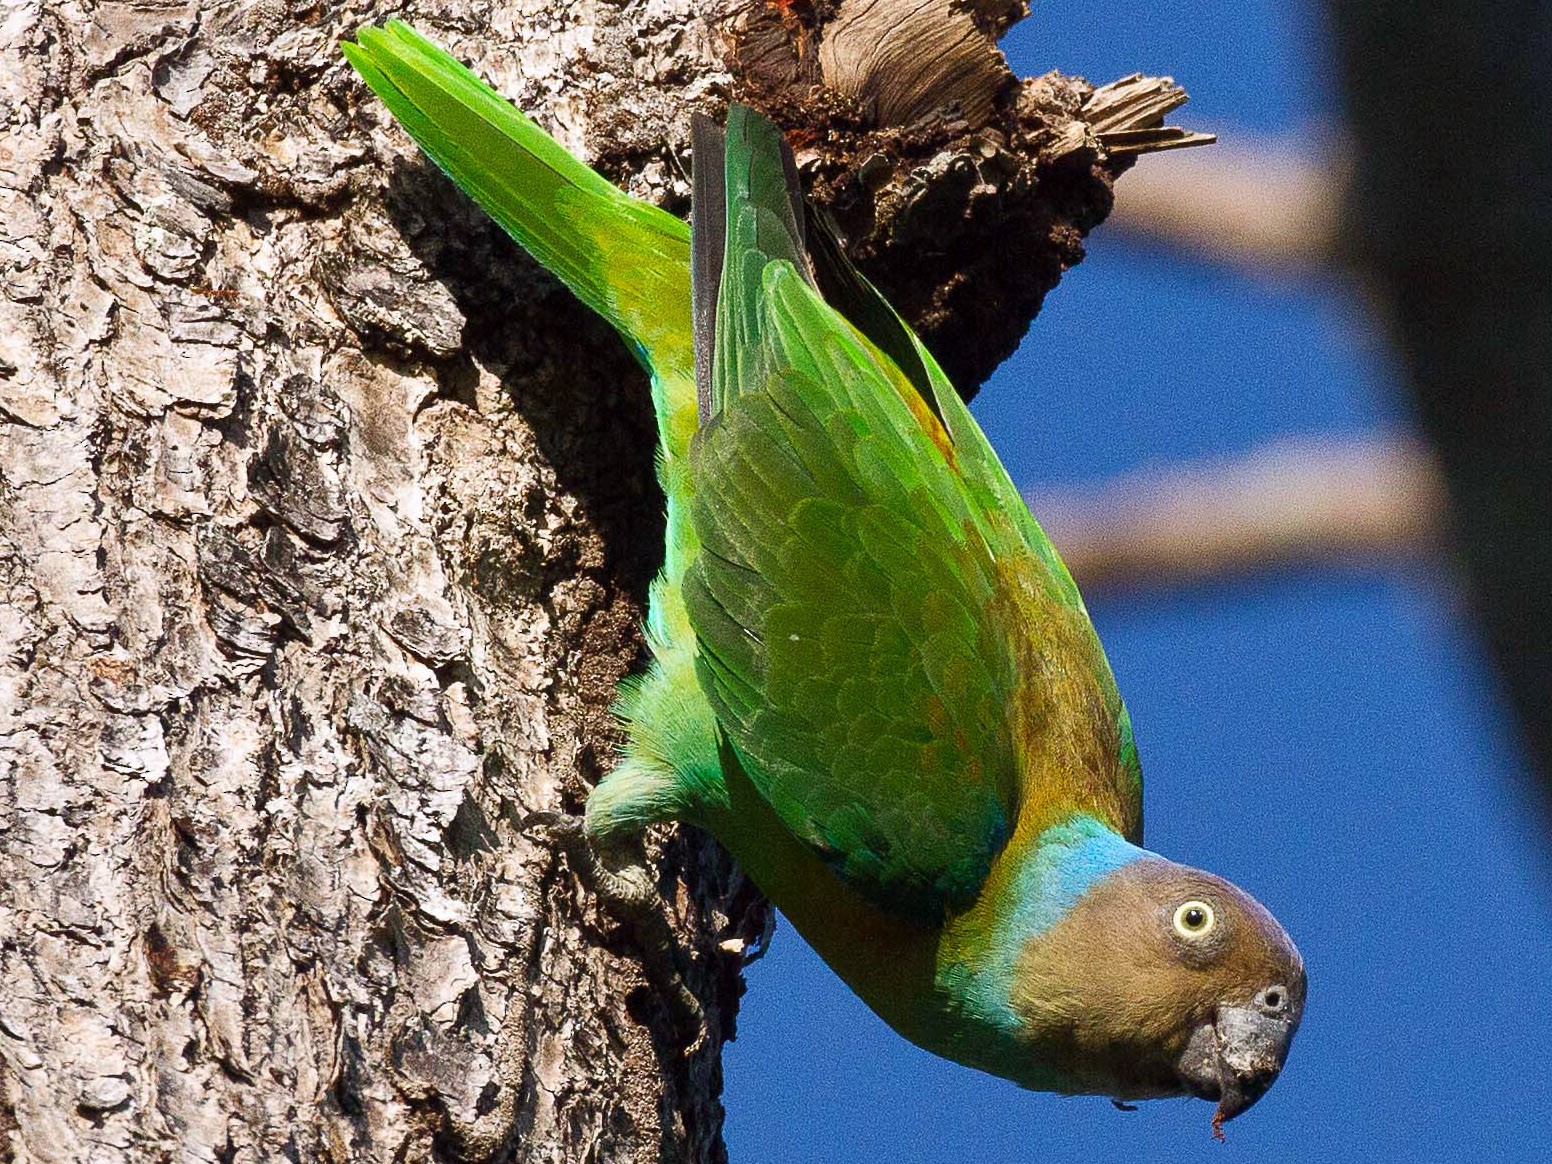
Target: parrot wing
pixel 885 635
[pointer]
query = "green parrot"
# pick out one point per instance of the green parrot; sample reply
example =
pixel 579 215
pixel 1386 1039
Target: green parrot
pixel 872 678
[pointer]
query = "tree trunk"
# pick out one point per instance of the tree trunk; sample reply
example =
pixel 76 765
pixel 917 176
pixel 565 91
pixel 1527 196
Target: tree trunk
pixel 326 521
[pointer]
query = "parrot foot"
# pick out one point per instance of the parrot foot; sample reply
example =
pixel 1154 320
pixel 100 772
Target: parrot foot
pixel 619 877
pixel 758 948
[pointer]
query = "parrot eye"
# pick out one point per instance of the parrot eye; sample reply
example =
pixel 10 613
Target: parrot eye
pixel 1194 920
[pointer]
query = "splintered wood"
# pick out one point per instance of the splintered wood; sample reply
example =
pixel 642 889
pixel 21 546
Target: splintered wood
pixel 1128 116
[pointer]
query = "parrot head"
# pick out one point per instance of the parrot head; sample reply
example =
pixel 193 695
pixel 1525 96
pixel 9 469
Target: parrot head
pixel 1164 980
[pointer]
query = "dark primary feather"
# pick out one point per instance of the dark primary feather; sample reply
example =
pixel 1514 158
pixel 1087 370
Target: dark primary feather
pixel 708 210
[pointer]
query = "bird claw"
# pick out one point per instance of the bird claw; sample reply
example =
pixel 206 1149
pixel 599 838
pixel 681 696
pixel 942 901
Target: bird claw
pixel 619 878
pixel 761 944
pixel 566 827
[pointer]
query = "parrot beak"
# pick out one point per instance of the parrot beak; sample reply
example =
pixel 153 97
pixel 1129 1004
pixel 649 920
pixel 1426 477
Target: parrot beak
pixel 1236 1057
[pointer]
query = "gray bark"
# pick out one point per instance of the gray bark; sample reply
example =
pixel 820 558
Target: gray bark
pixel 326 519
pixel 308 604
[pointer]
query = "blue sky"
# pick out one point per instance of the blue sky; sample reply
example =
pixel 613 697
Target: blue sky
pixel 1330 738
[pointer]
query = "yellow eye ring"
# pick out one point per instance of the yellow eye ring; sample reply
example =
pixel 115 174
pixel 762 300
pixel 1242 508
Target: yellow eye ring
pixel 1195 920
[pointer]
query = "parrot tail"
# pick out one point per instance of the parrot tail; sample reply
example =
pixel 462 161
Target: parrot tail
pixel 624 258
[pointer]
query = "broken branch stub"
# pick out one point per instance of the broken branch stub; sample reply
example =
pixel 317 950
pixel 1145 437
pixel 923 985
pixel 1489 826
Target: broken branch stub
pixel 964 192
pixel 874 54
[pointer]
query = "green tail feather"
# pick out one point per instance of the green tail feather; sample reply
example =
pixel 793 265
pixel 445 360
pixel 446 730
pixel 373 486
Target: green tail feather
pixel 624 258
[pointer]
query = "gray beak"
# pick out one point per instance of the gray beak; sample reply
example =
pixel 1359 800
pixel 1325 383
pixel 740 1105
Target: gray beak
pixel 1236 1057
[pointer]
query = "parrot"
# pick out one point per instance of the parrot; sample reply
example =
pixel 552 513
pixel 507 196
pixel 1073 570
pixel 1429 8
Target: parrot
pixel 871 677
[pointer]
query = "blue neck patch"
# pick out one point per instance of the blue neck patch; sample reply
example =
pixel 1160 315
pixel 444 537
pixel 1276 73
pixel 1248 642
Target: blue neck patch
pixel 1064 863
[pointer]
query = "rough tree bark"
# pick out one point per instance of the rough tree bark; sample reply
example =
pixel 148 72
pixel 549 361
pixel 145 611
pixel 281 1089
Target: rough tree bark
pixel 325 524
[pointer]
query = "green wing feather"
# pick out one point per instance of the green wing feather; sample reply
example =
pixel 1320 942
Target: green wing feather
pixel 883 630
